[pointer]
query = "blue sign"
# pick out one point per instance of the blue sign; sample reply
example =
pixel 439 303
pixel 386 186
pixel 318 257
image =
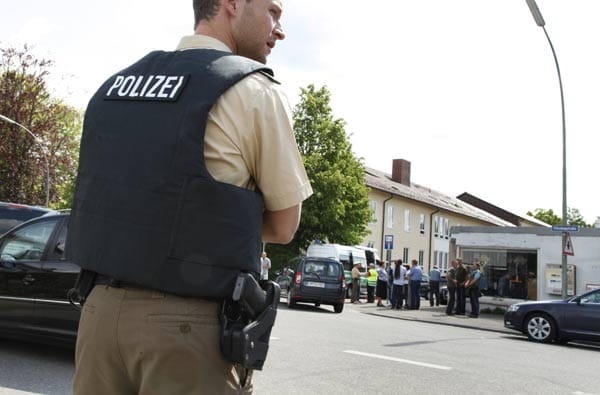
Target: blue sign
pixel 388 242
pixel 565 228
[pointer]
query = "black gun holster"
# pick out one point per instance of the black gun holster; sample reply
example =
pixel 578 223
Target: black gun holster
pixel 246 321
pixel 83 286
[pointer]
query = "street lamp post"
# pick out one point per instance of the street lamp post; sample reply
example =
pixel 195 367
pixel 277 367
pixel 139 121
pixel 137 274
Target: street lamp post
pixel 38 141
pixel 539 20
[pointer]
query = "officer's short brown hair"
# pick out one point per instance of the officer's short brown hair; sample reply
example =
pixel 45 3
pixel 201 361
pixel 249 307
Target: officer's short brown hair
pixel 205 9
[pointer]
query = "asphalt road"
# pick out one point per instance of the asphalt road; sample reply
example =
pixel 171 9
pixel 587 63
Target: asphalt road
pixel 315 351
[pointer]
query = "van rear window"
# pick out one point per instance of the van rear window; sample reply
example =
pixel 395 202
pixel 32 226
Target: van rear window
pixel 322 269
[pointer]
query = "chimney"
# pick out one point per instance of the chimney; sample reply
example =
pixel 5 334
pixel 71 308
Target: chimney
pixel 401 171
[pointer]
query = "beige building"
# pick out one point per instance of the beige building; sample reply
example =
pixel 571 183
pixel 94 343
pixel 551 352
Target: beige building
pixel 411 221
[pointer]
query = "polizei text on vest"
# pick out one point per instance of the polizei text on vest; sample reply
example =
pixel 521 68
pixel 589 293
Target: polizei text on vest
pixel 146 87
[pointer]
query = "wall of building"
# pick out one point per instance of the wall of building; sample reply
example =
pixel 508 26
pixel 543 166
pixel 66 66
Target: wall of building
pixel 424 240
pixel 549 251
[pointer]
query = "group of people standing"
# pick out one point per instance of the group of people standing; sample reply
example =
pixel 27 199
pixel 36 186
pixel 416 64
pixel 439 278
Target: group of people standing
pixel 461 283
pixel 401 285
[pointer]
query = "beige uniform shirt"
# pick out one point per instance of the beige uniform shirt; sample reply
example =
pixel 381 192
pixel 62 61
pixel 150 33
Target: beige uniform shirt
pixel 249 139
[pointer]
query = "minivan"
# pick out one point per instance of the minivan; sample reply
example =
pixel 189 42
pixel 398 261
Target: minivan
pixel 347 256
pixel 313 280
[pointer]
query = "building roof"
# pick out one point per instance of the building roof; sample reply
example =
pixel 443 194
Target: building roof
pixel 382 181
pixel 527 230
pixel 515 219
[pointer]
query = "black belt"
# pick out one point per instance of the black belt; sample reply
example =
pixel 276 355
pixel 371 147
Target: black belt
pixel 114 283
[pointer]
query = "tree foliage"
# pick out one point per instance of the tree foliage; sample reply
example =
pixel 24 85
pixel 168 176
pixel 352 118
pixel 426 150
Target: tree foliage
pixel 338 211
pixel 25 98
pixel 574 217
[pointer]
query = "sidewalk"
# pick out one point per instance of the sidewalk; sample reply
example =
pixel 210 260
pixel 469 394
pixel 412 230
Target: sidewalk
pixel 437 315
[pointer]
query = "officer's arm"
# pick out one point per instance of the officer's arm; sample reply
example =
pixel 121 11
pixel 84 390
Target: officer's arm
pixel 280 226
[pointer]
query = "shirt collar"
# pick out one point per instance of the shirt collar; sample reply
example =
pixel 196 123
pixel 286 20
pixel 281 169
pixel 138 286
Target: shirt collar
pixel 201 41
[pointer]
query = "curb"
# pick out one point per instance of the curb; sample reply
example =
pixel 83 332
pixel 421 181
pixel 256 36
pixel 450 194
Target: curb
pixel 483 325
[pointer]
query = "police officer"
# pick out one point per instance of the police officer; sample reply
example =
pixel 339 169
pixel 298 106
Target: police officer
pixel 472 285
pixel 451 284
pixel 415 275
pixel 434 286
pixel 371 283
pixel 461 277
pixel 167 211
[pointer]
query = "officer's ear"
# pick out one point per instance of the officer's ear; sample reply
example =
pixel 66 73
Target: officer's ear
pixel 231 6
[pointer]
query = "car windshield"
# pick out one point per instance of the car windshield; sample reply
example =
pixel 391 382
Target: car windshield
pixel 322 269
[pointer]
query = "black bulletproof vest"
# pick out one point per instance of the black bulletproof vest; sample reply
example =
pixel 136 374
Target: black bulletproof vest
pixel 146 210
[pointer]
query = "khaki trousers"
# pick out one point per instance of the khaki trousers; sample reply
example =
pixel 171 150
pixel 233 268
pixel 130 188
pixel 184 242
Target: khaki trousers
pixel 136 341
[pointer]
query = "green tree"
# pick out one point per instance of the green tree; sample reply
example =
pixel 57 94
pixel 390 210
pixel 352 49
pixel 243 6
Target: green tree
pixel 574 217
pixel 338 211
pixel 25 98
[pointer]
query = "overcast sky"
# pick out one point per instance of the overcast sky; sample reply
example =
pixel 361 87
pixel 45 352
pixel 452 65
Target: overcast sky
pixel 466 90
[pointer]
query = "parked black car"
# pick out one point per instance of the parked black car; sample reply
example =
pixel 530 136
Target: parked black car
pixel 444 295
pixel 575 318
pixel 12 214
pixel 34 281
pixel 313 280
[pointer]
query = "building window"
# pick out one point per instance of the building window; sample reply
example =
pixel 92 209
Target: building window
pixel 445 263
pixel 436 226
pixel 373 205
pixel 405 256
pixel 422 224
pixel 505 273
pixel 421 257
pixel 446 228
pixel 390 217
pixel 407 220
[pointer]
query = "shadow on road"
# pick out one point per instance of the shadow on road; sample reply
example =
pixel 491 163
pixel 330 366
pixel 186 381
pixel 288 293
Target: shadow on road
pixel 307 307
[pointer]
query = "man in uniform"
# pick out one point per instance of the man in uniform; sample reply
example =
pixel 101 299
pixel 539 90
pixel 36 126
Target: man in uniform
pixel 434 286
pixel 451 285
pixel 472 285
pixel 371 283
pixel 461 279
pixel 415 275
pixel 167 211
pixel 355 283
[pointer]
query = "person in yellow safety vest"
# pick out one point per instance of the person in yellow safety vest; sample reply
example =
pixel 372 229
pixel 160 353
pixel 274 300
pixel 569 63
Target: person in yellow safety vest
pixel 371 283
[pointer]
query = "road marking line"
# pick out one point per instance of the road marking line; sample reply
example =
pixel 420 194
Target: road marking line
pixel 424 364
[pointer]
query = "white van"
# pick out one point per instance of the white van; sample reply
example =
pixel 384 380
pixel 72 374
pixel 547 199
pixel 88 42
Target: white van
pixel 343 254
pixel 372 254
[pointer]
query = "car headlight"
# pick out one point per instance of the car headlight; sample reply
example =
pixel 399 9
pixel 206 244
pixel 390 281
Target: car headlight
pixel 514 307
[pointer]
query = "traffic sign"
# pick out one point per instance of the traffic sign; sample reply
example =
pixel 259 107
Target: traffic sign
pixel 389 242
pixel 568 250
pixel 565 228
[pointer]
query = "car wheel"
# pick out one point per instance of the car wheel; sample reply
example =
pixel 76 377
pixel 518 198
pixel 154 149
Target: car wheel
pixel 540 328
pixel 338 307
pixel 290 302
